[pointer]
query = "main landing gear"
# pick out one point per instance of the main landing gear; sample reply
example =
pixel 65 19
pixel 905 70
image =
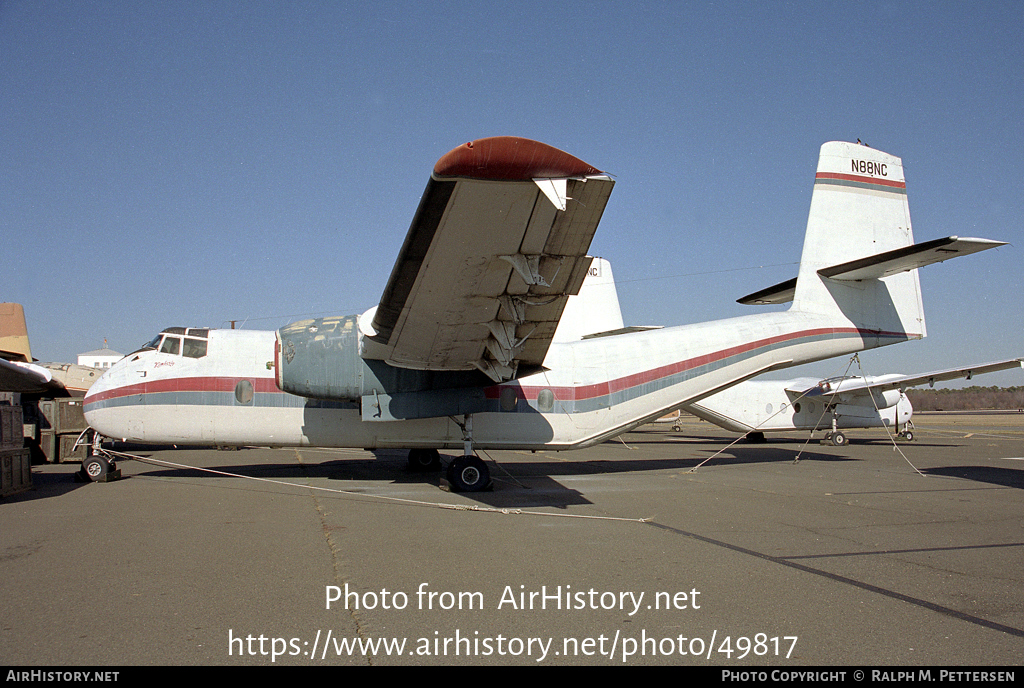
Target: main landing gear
pixel 466 473
pixel 835 438
pixel 424 460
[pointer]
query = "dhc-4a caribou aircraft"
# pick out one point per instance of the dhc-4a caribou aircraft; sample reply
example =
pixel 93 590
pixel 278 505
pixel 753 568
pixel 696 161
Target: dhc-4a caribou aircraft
pixel 832 405
pixel 461 351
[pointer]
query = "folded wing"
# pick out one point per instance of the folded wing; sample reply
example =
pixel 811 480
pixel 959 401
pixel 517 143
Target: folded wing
pixel 497 246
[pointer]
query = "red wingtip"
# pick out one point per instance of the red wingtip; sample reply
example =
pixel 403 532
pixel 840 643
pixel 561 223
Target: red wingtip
pixel 510 158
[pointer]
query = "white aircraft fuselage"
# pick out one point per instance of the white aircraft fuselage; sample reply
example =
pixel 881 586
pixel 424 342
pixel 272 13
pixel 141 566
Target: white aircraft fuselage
pixel 593 389
pixel 769 406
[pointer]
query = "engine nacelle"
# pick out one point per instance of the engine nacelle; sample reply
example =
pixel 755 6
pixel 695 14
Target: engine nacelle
pixel 872 399
pixel 861 415
pixel 886 399
pixel 320 359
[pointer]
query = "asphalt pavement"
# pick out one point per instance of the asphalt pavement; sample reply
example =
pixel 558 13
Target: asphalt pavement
pixel 788 553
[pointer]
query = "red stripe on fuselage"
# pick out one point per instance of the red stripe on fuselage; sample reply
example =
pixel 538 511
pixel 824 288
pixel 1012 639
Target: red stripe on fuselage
pixel 860 178
pixel 576 393
pixel 186 384
pixel 604 388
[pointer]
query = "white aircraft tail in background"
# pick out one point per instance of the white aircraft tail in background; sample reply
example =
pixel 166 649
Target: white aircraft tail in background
pixel 462 350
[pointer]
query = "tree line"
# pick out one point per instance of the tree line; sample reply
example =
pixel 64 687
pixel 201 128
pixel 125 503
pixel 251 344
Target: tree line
pixel 966 399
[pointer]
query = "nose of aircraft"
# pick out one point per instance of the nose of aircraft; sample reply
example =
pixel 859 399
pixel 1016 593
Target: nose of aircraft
pixel 98 400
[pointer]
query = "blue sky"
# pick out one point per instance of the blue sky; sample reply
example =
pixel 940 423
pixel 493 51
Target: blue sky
pixel 192 163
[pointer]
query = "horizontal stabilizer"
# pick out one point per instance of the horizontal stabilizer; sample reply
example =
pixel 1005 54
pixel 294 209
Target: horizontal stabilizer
pixel 904 259
pixel 880 265
pixel 782 292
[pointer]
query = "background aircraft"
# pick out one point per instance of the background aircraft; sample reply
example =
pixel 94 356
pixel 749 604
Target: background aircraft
pixel 755 407
pixel 461 351
pixel 18 371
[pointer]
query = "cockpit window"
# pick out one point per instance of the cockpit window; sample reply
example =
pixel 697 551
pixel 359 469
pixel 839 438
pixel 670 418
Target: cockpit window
pixel 190 342
pixel 171 345
pixel 194 348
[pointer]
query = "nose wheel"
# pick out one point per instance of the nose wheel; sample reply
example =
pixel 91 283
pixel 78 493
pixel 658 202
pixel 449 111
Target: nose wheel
pixel 97 469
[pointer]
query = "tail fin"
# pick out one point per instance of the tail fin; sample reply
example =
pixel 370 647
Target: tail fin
pixel 859 263
pixel 859 210
pixel 14 334
pixel 595 309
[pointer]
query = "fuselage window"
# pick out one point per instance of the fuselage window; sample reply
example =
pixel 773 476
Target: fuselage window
pixel 244 392
pixel 171 345
pixel 194 348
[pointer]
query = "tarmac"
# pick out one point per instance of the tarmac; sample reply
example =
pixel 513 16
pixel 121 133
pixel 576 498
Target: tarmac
pixel 784 554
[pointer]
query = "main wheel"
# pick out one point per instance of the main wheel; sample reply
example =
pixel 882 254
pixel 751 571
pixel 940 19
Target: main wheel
pixel 838 439
pixel 468 474
pixel 423 460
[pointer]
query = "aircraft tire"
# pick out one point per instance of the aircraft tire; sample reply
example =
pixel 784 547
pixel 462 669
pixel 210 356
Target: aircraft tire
pixel 95 468
pixel 424 460
pixel 468 474
pixel 908 436
pixel 839 439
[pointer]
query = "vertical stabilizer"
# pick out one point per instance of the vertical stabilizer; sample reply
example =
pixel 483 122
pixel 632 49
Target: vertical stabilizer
pixel 14 334
pixel 859 209
pixel 595 309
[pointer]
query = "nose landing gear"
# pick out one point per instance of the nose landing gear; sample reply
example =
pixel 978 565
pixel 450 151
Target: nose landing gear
pixel 97 469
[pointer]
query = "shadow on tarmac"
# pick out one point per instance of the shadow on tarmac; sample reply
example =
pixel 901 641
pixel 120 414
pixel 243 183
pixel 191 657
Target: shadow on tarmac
pixel 1004 477
pixel 532 482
